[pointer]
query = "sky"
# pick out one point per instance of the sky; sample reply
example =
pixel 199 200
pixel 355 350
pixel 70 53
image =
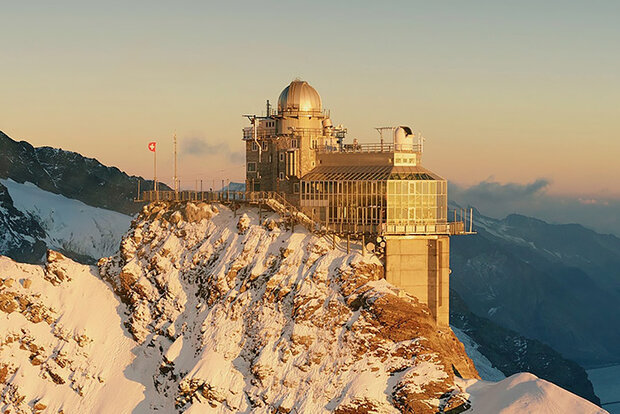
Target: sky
pixel 506 92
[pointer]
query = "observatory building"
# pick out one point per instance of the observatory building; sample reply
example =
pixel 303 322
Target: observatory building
pixel 379 191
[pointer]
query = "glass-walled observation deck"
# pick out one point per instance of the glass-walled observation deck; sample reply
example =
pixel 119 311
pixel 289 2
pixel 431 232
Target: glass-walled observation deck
pixel 381 199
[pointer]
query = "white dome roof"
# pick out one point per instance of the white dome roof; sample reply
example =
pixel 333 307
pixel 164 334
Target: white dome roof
pixel 299 96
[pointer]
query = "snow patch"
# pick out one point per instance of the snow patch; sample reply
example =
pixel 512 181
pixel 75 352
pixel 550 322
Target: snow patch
pixel 70 224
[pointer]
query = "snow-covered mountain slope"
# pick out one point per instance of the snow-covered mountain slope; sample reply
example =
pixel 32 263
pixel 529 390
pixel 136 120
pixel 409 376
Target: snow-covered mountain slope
pixel 524 393
pixel 69 225
pixel 62 341
pixel 224 313
pixel 485 368
pixel 247 316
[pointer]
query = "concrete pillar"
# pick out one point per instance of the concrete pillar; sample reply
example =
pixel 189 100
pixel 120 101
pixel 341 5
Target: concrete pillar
pixel 420 265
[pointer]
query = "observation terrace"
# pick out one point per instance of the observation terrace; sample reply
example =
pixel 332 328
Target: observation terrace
pixel 369 148
pixel 461 225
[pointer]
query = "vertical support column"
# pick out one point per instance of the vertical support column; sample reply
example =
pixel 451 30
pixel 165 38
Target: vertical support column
pixel 363 246
pixel 421 267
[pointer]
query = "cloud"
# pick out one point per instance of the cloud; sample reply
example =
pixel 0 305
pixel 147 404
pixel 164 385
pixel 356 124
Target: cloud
pixel 498 200
pixel 498 192
pixel 593 201
pixel 196 146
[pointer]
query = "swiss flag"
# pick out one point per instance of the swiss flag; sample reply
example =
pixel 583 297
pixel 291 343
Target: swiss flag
pixel 152 146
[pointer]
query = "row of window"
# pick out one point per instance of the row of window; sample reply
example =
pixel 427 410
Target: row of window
pixel 417 187
pixel 401 159
pixel 252 169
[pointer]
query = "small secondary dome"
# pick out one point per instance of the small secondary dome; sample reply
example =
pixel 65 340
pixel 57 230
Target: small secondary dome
pixel 299 96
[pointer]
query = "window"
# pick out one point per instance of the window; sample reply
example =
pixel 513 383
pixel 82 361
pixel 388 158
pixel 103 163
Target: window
pixel 294 143
pixel 281 176
pixel 270 159
pixel 251 167
pixel 281 157
pixel 254 146
pixel 265 145
pixel 296 188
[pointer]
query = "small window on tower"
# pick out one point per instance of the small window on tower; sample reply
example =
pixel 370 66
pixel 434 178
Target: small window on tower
pixel 270 158
pixel 281 176
pixel 251 167
pixel 281 157
pixel 265 145
pixel 294 143
pixel 296 188
pixel 254 146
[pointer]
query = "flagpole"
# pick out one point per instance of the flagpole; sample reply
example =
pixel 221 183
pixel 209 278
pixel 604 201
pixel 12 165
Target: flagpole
pixel 155 174
pixel 176 187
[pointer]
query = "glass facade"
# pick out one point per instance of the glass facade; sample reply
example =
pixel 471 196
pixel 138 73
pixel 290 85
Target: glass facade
pixel 377 206
pixel 411 202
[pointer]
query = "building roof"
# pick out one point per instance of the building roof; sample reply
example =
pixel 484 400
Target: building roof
pixel 370 173
pixel 299 96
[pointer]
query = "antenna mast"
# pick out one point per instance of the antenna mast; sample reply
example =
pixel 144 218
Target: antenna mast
pixel 176 179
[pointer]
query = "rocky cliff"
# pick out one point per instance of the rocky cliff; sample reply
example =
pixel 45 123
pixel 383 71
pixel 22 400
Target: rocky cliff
pixel 208 310
pixel 246 315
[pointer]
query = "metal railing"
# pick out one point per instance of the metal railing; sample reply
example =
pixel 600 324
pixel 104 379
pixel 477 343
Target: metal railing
pixel 278 203
pixel 188 195
pixel 261 132
pixel 374 147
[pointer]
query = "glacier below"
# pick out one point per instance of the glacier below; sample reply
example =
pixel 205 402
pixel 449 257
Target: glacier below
pixel 70 225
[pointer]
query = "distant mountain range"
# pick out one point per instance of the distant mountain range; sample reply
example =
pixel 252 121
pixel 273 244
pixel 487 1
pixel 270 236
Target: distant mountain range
pixel 559 284
pixel 65 202
pixel 70 174
pixel 518 278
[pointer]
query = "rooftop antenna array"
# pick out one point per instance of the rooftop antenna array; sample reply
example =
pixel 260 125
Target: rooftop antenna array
pixel 381 130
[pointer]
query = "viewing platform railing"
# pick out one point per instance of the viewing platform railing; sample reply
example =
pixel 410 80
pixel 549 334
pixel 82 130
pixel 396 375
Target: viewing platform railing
pixel 278 203
pixel 190 195
pixel 373 147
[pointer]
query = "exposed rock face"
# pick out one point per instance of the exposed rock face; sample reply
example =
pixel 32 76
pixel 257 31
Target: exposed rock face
pixel 60 338
pixel 20 234
pixel 244 316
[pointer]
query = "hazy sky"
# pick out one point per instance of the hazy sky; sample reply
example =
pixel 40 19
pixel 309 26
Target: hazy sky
pixel 508 92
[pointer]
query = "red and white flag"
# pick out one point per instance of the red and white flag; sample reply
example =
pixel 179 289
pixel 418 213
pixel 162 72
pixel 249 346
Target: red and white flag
pixel 152 146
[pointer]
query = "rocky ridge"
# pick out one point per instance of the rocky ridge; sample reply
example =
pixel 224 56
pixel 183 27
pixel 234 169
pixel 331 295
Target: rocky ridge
pixel 217 312
pixel 245 315
pixel 70 174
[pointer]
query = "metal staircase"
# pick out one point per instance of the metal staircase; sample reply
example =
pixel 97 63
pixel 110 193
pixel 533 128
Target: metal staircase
pixel 280 205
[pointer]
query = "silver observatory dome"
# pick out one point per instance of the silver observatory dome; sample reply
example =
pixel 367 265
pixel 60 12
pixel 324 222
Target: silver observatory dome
pixel 299 96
